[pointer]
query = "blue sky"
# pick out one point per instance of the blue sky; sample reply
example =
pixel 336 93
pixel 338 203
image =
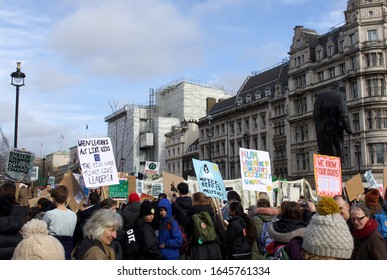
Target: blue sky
pixel 81 57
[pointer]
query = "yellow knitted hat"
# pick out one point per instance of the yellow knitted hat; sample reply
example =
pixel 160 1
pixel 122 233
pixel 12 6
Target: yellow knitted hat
pixel 327 205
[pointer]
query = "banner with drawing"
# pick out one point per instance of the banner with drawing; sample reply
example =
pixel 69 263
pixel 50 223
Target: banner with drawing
pixel 97 162
pixel 210 180
pixel 327 174
pixel 255 170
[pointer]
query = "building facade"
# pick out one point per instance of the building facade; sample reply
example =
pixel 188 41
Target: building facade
pixel 276 115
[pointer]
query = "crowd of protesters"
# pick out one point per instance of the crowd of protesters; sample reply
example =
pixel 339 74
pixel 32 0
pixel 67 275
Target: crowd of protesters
pixel 164 229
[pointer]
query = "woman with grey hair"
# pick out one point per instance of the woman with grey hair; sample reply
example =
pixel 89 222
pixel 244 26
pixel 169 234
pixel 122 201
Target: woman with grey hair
pixel 368 241
pixel 99 232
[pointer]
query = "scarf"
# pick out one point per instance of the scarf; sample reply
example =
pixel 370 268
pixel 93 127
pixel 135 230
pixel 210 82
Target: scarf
pixel 369 227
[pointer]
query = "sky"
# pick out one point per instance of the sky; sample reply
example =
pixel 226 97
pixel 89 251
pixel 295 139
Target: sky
pixel 84 59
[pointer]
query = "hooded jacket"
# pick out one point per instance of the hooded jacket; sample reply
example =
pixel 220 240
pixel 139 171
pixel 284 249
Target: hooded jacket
pixel 169 233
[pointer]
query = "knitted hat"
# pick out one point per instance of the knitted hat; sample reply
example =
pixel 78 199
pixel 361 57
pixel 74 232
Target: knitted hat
pixel 146 208
pixel 372 197
pixel 327 234
pixel 37 244
pixel 133 197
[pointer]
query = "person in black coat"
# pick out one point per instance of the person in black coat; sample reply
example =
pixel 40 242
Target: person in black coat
pixel 146 238
pixel 10 227
pixel 181 204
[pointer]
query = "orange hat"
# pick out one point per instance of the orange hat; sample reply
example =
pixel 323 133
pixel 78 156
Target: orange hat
pixel 372 197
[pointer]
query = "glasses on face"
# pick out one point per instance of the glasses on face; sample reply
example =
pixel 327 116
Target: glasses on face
pixel 357 219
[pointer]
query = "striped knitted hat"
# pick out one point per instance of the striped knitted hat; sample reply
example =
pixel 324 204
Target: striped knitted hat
pixel 327 234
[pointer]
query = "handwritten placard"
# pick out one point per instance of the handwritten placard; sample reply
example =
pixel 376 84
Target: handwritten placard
pixel 210 180
pixel 255 170
pixel 119 191
pixel 327 174
pixel 97 162
pixel 20 164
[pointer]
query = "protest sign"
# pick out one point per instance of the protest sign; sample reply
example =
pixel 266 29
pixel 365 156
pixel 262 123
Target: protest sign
pixel 97 162
pixel 327 174
pixel 371 180
pixel 120 190
pixel 76 197
pixel 354 187
pixel 151 167
pixel 20 164
pixel 209 179
pixel 157 188
pixel 255 170
pixel 170 182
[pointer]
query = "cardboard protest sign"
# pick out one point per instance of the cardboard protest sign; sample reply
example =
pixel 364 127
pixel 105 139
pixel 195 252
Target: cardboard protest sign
pixel 97 162
pixel 170 183
pixel 20 165
pixel 76 197
pixel 209 179
pixel 139 186
pixel 157 188
pixel 255 170
pixel 327 174
pixel 354 187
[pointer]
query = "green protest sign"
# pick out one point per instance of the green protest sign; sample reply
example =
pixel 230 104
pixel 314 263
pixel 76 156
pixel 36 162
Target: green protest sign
pixel 120 190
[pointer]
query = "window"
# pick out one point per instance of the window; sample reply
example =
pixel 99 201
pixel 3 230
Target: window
pixel 370 120
pixel 247 124
pixel 300 105
pixel 352 39
pixel 255 143
pixel 341 46
pixel 332 73
pixel 356 122
pixel 232 128
pixel 239 101
pixel 303 161
pixel 354 90
pixel 372 35
pixel 223 128
pixel 223 145
pixel 232 148
pixel 375 87
pixel 300 81
pixel 353 62
pixel 263 141
pixel 321 76
pixel 330 50
pixel 302 133
pixel 377 153
pixel 258 95
pixel 319 54
pixel 374 59
pixel 385 118
pixel 248 98
pixel 255 122
pixel 263 120
pixel 239 126
pixel 346 157
pixel 378 119
pixel 342 69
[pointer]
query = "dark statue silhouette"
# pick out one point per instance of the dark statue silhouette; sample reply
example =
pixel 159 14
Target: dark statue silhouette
pixel 331 119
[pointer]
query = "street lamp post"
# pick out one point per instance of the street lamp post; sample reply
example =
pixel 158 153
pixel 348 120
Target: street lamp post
pixel 122 164
pixel 17 80
pixel 210 134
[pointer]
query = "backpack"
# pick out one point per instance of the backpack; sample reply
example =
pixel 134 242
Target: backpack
pixel 279 254
pixel 381 218
pixel 203 227
pixel 184 248
pixel 130 245
pixel 265 238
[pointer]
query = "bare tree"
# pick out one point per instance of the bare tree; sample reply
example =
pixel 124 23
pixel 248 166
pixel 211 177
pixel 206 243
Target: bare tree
pixel 4 151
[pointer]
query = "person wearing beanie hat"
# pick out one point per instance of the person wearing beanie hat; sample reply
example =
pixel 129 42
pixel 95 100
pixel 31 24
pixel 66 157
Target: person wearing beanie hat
pixel 37 244
pixel 372 197
pixel 327 236
pixel 369 242
pixel 133 197
pixel 145 234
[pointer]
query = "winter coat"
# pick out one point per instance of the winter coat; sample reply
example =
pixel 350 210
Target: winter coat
pixel 261 216
pixel 236 238
pixel 207 251
pixel 130 214
pixel 169 233
pixel 284 230
pixel 89 249
pixel 10 236
pixel 370 247
pixel 180 209
pixel 147 240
